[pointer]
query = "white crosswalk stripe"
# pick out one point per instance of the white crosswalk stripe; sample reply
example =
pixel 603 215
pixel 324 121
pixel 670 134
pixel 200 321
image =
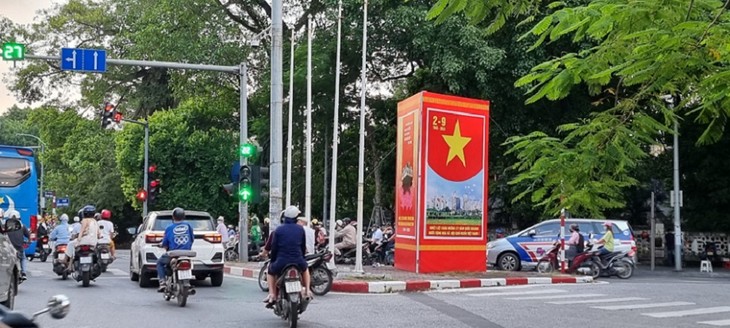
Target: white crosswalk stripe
pixel 716 323
pixel 552 297
pixel 605 300
pixel 676 314
pixel 641 306
pixel 529 292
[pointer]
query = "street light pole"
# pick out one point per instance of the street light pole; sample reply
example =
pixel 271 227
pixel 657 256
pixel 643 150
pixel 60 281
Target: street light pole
pixel 669 99
pixel 41 197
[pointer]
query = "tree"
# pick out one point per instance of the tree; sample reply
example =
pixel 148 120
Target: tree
pixel 632 53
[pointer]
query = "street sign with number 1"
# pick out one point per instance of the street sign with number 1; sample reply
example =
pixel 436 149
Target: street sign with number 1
pixel 13 51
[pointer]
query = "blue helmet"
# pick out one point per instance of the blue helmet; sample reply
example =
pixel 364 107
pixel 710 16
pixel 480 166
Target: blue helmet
pixel 87 211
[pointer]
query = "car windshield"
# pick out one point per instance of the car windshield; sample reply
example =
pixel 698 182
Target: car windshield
pixel 199 223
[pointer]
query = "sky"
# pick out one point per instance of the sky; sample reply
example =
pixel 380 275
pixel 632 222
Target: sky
pixel 19 11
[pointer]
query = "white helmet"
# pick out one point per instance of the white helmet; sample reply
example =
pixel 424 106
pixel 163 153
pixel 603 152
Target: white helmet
pixel 76 219
pixel 13 215
pixel 291 212
pixel 64 217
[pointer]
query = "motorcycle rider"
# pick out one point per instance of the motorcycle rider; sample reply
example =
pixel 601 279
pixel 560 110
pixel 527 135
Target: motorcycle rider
pixel 288 246
pixel 308 233
pixel 222 230
pixel 75 227
pixel 61 234
pixel 16 232
pixel 575 242
pixel 178 236
pixel 88 234
pixel 107 231
pixel 348 234
pixel 606 240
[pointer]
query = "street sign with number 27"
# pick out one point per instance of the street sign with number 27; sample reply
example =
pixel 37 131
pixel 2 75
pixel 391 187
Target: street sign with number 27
pixel 13 51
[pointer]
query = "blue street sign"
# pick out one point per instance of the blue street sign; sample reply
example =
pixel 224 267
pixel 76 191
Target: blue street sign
pixel 48 194
pixel 86 60
pixel 62 202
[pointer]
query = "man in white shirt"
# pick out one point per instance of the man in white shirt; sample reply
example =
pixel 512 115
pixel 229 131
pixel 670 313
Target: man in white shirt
pixel 106 227
pixel 223 230
pixel 308 233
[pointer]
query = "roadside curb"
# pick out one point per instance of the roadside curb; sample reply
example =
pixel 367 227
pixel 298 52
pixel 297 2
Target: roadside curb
pixel 380 287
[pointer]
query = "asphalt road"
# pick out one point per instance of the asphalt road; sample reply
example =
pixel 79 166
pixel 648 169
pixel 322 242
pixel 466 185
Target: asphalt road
pixel 115 301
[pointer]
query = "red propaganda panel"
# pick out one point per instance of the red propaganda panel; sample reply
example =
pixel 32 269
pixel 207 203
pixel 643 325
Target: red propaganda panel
pixel 455 172
pixel 406 174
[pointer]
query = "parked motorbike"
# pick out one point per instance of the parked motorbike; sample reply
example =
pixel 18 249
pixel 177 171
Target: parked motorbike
pixel 58 307
pixel 60 263
pixel 103 253
pixel 178 276
pixel 290 304
pixel 320 271
pixel 231 253
pixel 86 264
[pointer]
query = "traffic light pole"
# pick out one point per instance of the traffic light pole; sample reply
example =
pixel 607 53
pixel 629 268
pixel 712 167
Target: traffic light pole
pixel 146 126
pixel 243 138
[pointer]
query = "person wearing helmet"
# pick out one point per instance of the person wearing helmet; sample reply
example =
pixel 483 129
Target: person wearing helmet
pixel 575 243
pixel 107 231
pixel 265 230
pixel 88 234
pixel 222 230
pixel 178 236
pixel 607 239
pixel 255 232
pixel 288 246
pixel 17 232
pixel 61 234
pixel 320 237
pixel 348 234
pixel 75 227
pixel 339 225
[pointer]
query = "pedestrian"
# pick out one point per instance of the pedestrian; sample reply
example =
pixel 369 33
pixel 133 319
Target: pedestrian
pixel 265 229
pixel 17 232
pixel 222 230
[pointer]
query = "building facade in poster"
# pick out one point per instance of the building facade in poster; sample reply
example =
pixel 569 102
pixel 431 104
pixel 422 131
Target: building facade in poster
pixel 441 183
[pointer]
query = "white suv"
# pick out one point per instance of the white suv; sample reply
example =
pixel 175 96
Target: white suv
pixel 148 236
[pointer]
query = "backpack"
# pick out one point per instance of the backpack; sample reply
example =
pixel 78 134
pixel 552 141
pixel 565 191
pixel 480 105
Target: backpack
pixel 581 244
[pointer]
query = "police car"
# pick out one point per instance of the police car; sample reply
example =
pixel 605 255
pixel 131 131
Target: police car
pixel 522 250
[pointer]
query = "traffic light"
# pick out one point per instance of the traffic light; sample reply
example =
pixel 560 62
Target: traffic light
pixel 108 115
pixel 229 188
pixel 141 195
pixel 248 150
pixel 153 187
pixel 259 182
pixel 244 184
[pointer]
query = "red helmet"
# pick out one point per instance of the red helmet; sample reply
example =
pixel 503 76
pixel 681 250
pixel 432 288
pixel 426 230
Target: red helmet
pixel 106 214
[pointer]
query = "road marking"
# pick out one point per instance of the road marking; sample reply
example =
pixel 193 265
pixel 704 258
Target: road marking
pixel 529 292
pixel 641 306
pixel 718 323
pixel 608 300
pixel 555 297
pixel 481 289
pixel 117 272
pixel 675 314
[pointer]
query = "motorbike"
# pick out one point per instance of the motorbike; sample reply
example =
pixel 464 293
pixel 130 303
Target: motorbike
pixel 589 262
pixel 231 253
pixel 290 304
pixel 86 264
pixel 619 264
pixel 348 256
pixel 58 307
pixel 42 250
pixel 103 253
pixel 178 276
pixel 320 271
pixel 60 266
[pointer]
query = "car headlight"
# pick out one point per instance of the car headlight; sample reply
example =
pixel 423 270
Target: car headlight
pixel 490 245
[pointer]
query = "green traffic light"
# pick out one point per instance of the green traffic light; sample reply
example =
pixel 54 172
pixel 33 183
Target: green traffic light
pixel 244 193
pixel 248 150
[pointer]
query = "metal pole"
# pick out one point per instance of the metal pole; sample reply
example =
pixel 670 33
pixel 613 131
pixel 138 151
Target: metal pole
pixel 652 236
pixel 324 180
pixel 335 137
pixel 277 86
pixel 562 240
pixel 308 179
pixel 146 166
pixel 290 126
pixel 361 164
pixel 243 136
pixel 677 200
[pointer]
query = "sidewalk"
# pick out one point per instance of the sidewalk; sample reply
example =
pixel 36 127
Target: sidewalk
pixel 387 279
pixel 690 270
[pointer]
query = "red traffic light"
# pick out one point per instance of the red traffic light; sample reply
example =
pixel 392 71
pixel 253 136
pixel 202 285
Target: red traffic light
pixel 118 117
pixel 141 195
pixel 108 107
pixel 152 169
pixel 154 183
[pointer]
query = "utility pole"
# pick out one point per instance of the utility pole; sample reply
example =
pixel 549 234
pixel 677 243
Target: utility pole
pixel 276 161
pixel 243 137
pixel 335 138
pixel 361 164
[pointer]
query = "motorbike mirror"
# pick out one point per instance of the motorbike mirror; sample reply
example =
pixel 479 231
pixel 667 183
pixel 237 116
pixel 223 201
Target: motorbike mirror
pixel 132 230
pixel 590 236
pixel 59 306
pixel 532 232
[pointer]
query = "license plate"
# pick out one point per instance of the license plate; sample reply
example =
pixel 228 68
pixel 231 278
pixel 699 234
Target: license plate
pixel 85 260
pixel 105 256
pixel 46 247
pixel 293 286
pixel 330 266
pixel 61 256
pixel 185 274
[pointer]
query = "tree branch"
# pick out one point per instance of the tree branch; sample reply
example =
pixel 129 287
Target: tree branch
pixel 236 18
pixel 714 21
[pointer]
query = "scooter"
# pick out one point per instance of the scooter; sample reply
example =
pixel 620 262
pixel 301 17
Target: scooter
pixel 178 276
pixel 60 263
pixel 42 250
pixel 103 253
pixel 290 304
pixel 589 262
pixel 320 270
pixel 86 264
pixel 580 264
pixel 58 306
pixel 615 263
